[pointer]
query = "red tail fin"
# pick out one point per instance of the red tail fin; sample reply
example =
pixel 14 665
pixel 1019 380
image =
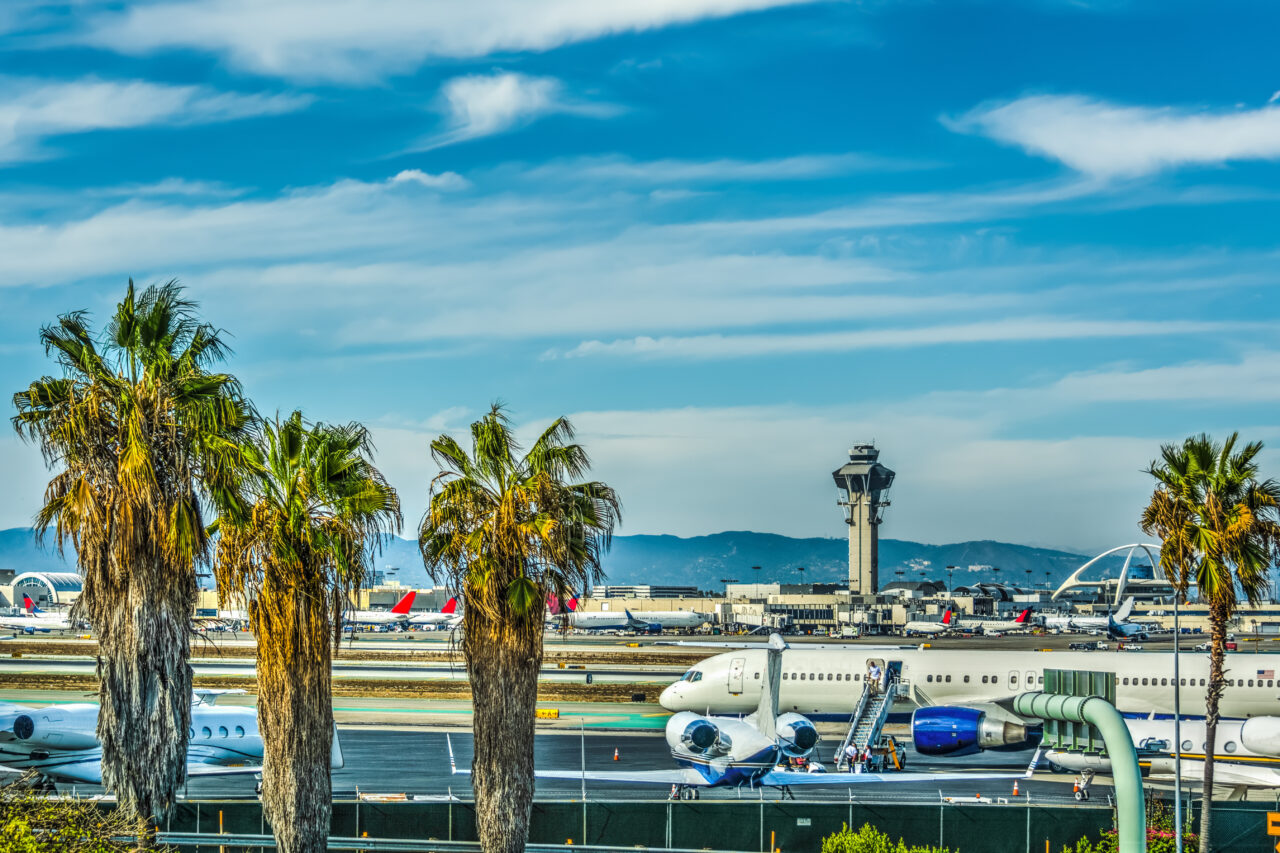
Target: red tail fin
pixel 403 605
pixel 28 605
pixel 946 617
pixel 1022 617
pixel 450 606
pixel 573 604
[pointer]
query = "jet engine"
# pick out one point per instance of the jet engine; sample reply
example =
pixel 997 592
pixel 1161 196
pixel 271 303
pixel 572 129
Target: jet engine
pixel 1260 735
pixel 797 735
pixel 697 734
pixel 945 730
pixel 69 728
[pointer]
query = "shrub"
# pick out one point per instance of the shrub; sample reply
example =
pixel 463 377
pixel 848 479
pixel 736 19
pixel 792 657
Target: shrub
pixel 33 823
pixel 868 839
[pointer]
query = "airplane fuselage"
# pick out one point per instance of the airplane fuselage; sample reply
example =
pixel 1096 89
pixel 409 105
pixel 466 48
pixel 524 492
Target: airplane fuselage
pixel 826 684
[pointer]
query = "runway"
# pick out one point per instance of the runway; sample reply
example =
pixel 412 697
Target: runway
pixel 417 763
pixel 399 671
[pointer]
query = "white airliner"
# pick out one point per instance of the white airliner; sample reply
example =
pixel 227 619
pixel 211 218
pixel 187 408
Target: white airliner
pixel 941 626
pixel 728 751
pixel 1021 623
pixel 1091 623
pixel 34 619
pixel 396 615
pixel 447 616
pixel 666 619
pixel 60 743
pixel 1246 752
pixel 824 683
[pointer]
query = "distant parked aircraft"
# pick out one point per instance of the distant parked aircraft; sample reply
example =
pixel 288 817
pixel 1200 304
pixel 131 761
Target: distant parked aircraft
pixel 34 619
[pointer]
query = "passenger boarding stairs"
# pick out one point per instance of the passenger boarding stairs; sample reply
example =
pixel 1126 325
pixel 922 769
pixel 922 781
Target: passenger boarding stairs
pixel 866 725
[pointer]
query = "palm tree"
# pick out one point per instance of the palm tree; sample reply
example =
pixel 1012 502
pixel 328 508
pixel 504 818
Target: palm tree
pixel 143 438
pixel 1219 527
pixel 506 531
pixel 319 509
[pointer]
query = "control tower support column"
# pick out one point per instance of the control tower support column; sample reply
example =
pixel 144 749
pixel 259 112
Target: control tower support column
pixel 863 485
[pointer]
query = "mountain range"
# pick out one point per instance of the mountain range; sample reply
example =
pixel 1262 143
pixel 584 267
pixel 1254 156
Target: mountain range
pixel 706 561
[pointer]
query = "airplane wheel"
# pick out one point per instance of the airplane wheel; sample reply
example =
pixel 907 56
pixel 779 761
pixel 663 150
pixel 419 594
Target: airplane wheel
pixel 1079 795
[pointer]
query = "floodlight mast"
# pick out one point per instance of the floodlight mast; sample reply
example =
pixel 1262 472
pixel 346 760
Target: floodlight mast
pixel 863 486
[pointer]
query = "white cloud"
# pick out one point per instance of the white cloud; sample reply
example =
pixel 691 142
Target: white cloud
pixel 482 105
pixel 1110 140
pixel 442 181
pixel 34 110
pixel 1012 329
pixel 339 40
pixel 799 168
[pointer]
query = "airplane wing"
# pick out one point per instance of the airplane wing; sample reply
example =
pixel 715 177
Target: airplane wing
pixel 709 644
pixel 676 776
pixel 784 777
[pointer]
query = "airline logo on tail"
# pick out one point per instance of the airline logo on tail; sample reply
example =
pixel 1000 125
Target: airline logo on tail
pixel 1022 617
pixel 572 604
pixel 30 606
pixel 403 605
pixel 450 606
pixel 946 617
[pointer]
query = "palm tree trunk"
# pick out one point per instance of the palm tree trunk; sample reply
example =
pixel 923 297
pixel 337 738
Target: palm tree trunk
pixel 1217 654
pixel 295 715
pixel 144 688
pixel 503 661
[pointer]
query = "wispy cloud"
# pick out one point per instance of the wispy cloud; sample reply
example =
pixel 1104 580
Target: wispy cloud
pixel 1108 140
pixel 799 168
pixel 717 346
pixel 338 40
pixel 32 110
pixel 442 181
pixel 483 105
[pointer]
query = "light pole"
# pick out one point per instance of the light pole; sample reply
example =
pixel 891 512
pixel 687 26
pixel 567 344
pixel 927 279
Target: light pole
pixel 950 571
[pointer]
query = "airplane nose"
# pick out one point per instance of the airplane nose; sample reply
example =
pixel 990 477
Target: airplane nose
pixel 670 698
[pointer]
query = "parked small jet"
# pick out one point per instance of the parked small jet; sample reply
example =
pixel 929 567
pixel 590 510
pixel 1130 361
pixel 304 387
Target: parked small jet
pixel 447 616
pixel 1021 623
pixel 920 626
pixel 665 619
pixel 60 742
pixel 731 751
pixel 34 619
pixel 396 615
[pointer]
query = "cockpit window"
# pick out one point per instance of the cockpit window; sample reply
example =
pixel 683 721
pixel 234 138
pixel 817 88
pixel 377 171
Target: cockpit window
pixel 692 675
pixel 697 676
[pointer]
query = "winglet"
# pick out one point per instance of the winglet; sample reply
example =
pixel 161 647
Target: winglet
pixel 403 605
pixel 450 606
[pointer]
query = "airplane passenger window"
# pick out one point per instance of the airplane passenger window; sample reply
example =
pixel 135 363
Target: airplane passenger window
pixel 1125 682
pixel 1270 683
pixel 1144 682
pixel 222 731
pixel 1187 746
pixel 928 678
pixel 1164 682
pixel 239 731
pixel 1250 682
pixel 1231 746
pixel 966 679
pixel 857 676
pixel 191 735
pixel 948 679
pixel 206 732
pixel 1202 682
pixel 821 677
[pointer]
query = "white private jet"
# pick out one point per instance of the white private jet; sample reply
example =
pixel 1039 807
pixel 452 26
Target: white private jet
pixel 34 619
pixel 717 751
pixel 448 616
pixel 1116 625
pixel 396 615
pixel 661 620
pixel 1021 623
pixel 60 742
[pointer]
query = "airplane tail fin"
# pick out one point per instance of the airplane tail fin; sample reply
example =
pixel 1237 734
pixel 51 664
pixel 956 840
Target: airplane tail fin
pixel 553 604
pixel 403 605
pixel 573 604
pixel 450 606
pixel 767 711
pixel 1126 609
pixel 1022 617
pixel 946 617
pixel 30 606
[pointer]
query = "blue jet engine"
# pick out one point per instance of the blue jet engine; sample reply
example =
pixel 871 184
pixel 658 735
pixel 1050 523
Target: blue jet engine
pixel 797 735
pixel 950 730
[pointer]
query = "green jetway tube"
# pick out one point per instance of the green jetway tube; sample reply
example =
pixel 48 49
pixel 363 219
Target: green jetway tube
pixel 1131 808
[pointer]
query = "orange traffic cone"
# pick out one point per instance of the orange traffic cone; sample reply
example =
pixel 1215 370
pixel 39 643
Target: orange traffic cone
pixel 1015 787
pixel 615 753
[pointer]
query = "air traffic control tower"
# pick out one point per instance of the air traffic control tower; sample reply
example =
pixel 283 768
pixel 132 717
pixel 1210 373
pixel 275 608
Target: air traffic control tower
pixel 863 484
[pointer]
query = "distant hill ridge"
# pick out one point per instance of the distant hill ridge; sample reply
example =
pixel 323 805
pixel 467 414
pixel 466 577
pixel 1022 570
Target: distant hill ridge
pixel 702 561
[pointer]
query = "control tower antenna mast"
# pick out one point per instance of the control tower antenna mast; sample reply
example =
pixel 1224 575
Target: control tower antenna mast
pixel 863 486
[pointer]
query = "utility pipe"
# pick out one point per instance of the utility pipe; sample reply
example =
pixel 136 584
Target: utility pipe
pixel 1131 808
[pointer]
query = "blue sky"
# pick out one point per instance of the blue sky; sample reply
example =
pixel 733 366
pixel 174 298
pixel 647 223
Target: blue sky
pixel 1017 244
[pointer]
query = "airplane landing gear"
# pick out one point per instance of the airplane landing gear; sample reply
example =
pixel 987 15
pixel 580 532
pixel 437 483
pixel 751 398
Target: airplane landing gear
pixel 1081 786
pixel 683 792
